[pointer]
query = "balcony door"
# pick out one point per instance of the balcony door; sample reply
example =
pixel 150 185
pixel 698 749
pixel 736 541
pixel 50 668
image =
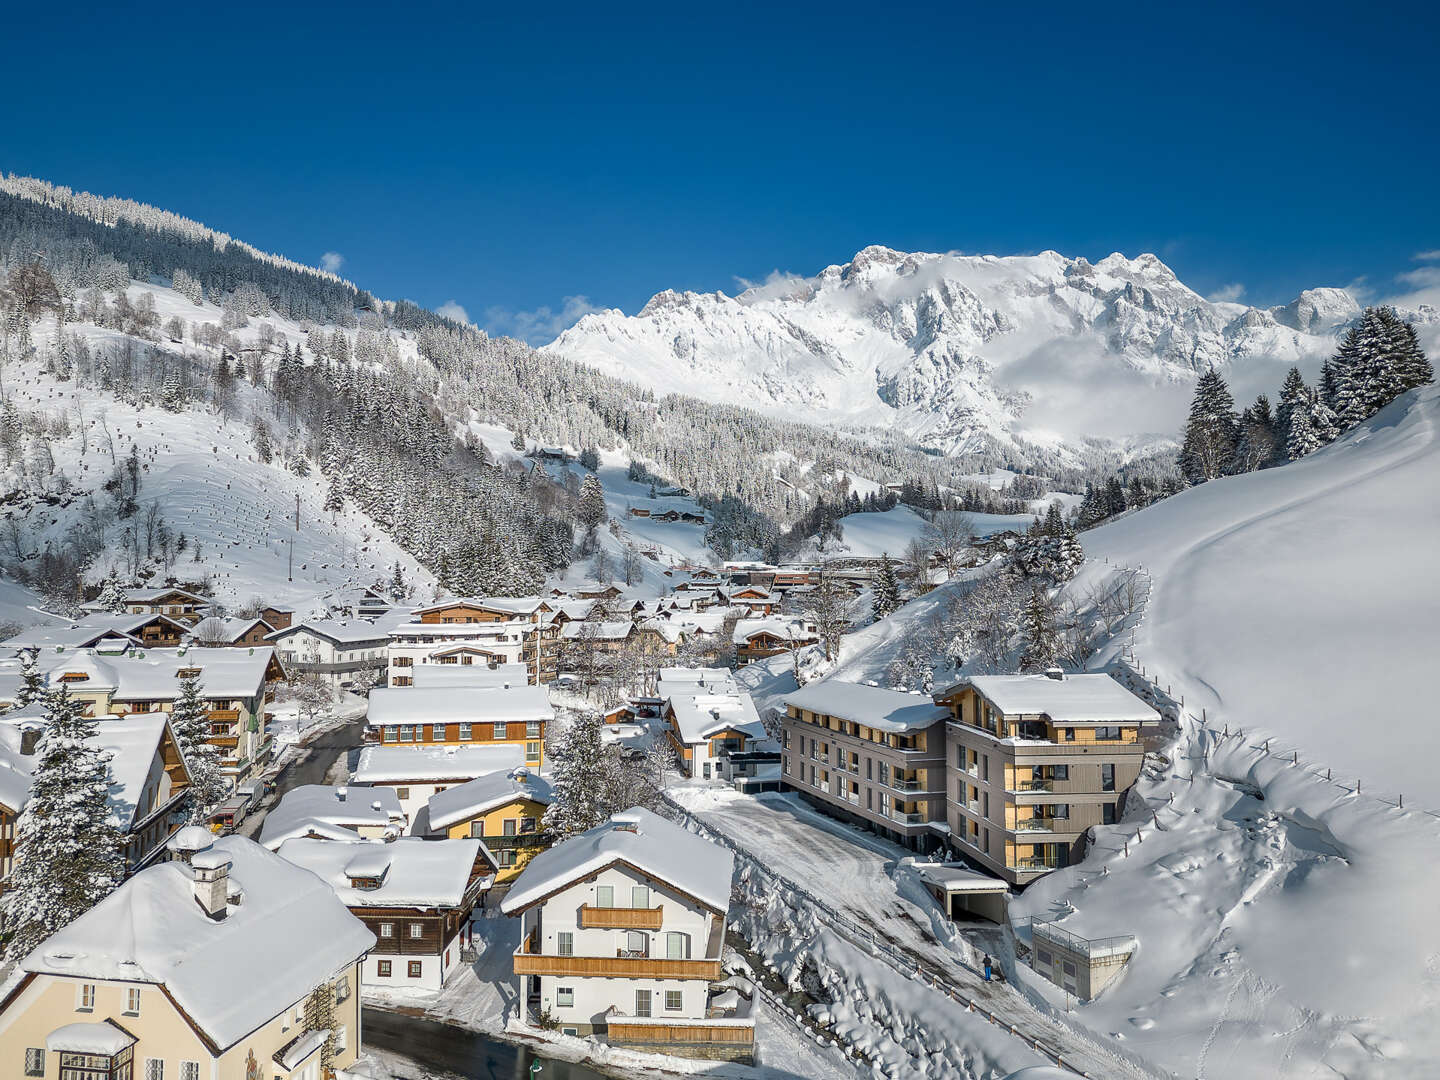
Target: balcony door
pixel 642 1002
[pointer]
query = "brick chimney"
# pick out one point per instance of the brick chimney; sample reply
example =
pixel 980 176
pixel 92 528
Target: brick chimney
pixel 211 881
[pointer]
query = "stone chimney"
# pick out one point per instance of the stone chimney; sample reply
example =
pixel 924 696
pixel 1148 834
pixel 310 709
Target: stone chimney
pixel 341 792
pixel 189 841
pixel 1055 673
pixel 211 881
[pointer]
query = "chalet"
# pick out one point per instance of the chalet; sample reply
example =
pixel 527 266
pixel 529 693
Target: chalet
pixel 146 630
pixel 415 897
pixel 321 812
pixel 640 511
pixel 752 598
pixel 230 633
pixel 279 616
pixel 234 683
pixel 621 932
pixel 188 607
pixel 870 756
pixel 417 773
pixel 755 639
pixel 144 984
pixel 1039 760
pixel 707 718
pixel 469 631
pixel 462 716
pixel 604 637
pixel 344 654
pixel 503 809
pixel 588 590
pixel 484 610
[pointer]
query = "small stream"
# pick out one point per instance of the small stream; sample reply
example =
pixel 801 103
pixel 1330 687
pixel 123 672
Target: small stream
pixel 442 1050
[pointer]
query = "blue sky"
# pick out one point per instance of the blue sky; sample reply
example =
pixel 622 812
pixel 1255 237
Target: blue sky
pixel 528 161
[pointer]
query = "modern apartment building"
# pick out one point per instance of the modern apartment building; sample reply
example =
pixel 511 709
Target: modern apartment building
pixel 1034 761
pixel 868 755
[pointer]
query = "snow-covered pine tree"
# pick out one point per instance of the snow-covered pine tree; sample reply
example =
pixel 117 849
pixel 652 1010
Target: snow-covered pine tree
pixel 32 686
pixel 1302 438
pixel 69 852
pixel 190 724
pixel 592 502
pixel 1210 434
pixel 577 780
pixel 886 588
pixel 1042 639
pixel 1294 394
pixel 112 595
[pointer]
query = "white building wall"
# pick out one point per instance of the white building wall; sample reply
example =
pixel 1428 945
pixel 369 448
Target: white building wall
pixel 434 970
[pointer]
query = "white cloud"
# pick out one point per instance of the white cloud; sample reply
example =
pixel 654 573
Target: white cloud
pixel 452 310
pixel 541 326
pixel 1227 294
pixel 332 261
pixel 1427 256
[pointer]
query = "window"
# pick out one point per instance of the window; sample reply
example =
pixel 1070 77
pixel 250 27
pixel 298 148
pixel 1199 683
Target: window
pixel 464 732
pixel 87 997
pixel 532 751
pixel 1107 813
pixel 635 943
pixel 402 792
pixel 985 767
pixel 341 1038
pixel 527 826
pixel 605 896
pixel 1111 734
pixel 387 929
pixel 407 733
pixel 673 1000
pixel 1107 777
pixel 677 946
pixel 639 896
pixel 1069 734
pixel 404 661
pixel 498 730
pixel 132 1001
pixel 1069 968
pixel 569 1031
pixel 34 1062
pixel 477 830
pixel 342 989
pixel 1059 772
pixel 532 729
pixel 437 732
pixel 154 1069
pixel 564 996
pixel 190 1070
pixel 417 931
pixel 642 1002
pixel 509 826
pixel 382 969
pixel 1044 957
pixel 565 943
pixel 506 857
pixel 414 969
pixel 390 733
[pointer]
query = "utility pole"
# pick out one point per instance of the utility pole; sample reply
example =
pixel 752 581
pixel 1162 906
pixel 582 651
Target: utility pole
pixel 297 511
pixel 290 570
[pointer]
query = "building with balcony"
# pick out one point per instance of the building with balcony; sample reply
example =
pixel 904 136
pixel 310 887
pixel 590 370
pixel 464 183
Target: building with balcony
pixel 226 961
pixel 503 809
pixel 472 676
pixel 708 718
pixel 322 812
pixel 343 653
pixel 621 932
pixel 870 756
pixel 484 633
pixel 755 639
pixel 415 897
pixel 1035 761
pixel 144 630
pixel 416 716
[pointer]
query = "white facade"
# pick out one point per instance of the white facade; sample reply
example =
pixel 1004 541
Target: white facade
pixel 432 970
pixel 414 644
pixel 339 653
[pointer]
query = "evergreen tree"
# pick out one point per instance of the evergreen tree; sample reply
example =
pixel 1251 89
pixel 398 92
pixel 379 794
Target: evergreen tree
pixel 1379 358
pixel 886 588
pixel 1054 521
pixel 69 852
pixel 1037 625
pixel 1256 448
pixel 1210 435
pixel 1302 438
pixel 578 784
pixel 112 595
pixel 592 502
pixel 190 724
pixel 32 686
pixel 1294 394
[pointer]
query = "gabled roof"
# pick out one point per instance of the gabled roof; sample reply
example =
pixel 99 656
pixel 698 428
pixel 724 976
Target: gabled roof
pixel 288 934
pixel 681 680
pixel 1071 699
pixel 338 631
pixel 699 716
pixel 417 764
pixel 134 742
pixel 486 793
pixel 412 872
pixel 90 630
pixel 784 629
pixel 214 628
pixel 149 596
pixel 656 847
pixel 473 676
pixel 335 807
pixel 883 710
pixel 514 605
pixel 153 674
pixel 458 705
pixel 597 631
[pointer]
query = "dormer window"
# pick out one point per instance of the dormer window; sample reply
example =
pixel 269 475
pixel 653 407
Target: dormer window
pixel 188 673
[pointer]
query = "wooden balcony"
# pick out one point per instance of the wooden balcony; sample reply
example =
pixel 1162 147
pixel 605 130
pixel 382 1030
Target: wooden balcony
pixel 223 716
pixel 619 918
pixel 528 962
pixel 230 742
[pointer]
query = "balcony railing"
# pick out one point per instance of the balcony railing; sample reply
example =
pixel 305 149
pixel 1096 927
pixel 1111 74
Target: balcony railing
pixel 973 805
pixel 614 967
pixel 1035 785
pixel 1039 824
pixel 906 785
pixel 852 797
pixel 1046 862
pixel 598 918
pixel 908 819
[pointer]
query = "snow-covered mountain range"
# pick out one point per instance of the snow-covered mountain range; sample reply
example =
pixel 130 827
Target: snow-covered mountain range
pixel 953 348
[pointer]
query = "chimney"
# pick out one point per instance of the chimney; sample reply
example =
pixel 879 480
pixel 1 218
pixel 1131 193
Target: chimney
pixel 629 821
pixel 1055 673
pixel 211 881
pixel 341 792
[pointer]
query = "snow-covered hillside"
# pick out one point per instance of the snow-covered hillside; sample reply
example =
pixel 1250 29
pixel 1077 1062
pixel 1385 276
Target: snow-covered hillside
pixel 951 348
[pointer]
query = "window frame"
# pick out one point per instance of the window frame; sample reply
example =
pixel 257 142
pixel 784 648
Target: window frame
pixel 678 997
pixel 414 969
pixel 383 968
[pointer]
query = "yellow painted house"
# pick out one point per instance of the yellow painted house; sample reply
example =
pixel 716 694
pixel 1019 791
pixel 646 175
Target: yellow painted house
pixel 225 963
pixel 503 809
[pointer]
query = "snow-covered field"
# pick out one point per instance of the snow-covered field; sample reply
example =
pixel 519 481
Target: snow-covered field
pixel 889 532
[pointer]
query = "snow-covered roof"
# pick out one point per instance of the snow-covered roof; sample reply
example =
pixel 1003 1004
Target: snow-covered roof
pixel 289 934
pixel 883 710
pixel 133 741
pixel 617 630
pixel 341 808
pixel 682 680
pixel 955 879
pixel 88 631
pixel 485 793
pixel 659 848
pixel 106 1038
pixel 340 631
pixel 458 705
pixel 515 605
pixel 475 676
pixel 412 872
pixel 399 764
pixel 1071 700
pixel 214 628
pixel 149 596
pixel 699 716
pixel 15 768
pixel 784 629
pixel 153 674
